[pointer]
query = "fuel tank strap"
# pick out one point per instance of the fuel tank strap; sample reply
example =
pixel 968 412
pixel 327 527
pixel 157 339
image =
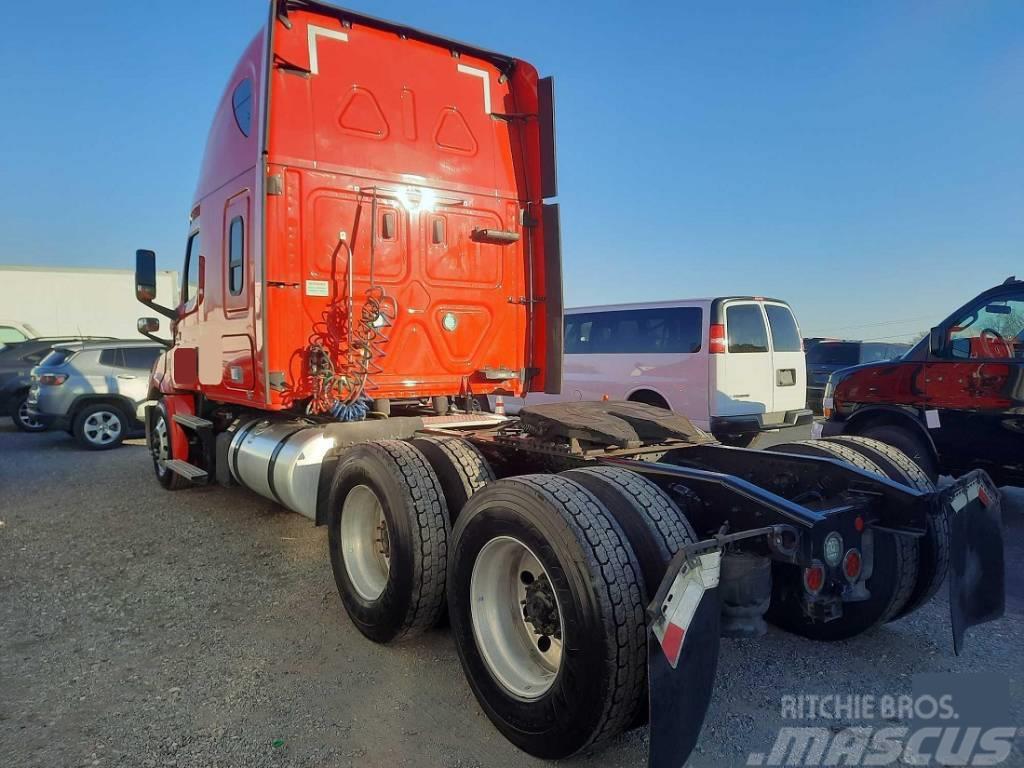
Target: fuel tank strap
pixel 236 447
pixel 273 461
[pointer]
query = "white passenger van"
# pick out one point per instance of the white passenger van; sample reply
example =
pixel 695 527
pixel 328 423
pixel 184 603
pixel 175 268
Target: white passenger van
pixel 734 365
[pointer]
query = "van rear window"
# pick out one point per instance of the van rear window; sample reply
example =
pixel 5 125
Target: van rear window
pixel 745 326
pixel 665 330
pixel 785 336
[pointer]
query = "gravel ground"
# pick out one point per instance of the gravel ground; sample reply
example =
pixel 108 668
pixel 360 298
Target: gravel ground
pixel 145 628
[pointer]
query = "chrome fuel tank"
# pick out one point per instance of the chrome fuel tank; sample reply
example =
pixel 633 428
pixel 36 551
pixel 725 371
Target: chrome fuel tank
pixel 281 461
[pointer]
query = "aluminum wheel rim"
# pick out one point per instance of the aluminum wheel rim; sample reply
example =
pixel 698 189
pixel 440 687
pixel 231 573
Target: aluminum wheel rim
pixel 160 446
pixel 26 418
pixel 101 427
pixel 365 542
pixel 524 661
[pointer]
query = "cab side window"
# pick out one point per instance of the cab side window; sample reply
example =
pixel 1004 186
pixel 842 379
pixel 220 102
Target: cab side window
pixel 190 286
pixel 993 330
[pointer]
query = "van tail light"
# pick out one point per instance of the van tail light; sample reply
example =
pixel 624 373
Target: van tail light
pixel 53 379
pixel 814 577
pixel 716 339
pixel 852 565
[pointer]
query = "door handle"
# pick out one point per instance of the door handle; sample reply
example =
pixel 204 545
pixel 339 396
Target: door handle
pixel 126 376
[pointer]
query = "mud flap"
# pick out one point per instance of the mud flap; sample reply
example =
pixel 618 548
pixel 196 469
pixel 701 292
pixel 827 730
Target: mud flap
pixel 682 657
pixel 977 589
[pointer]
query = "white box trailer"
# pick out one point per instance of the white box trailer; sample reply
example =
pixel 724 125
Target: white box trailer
pixel 72 301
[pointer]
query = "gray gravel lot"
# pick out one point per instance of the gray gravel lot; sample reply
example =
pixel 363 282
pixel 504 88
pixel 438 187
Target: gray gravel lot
pixel 140 627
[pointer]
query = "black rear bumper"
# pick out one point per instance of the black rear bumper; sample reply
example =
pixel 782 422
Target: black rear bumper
pixel 749 424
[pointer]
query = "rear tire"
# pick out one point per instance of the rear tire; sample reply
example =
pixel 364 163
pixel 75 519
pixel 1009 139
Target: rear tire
pixel 388 537
pixel 460 467
pixel 653 524
pixel 892 580
pixel 907 442
pixel 100 427
pixel 23 419
pixel 590 597
pixel 655 527
pixel 934 546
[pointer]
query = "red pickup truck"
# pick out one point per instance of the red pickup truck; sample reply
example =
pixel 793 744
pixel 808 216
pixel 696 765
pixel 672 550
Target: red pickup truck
pixel 955 401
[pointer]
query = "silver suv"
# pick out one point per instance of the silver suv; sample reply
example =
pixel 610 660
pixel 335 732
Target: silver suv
pixel 93 389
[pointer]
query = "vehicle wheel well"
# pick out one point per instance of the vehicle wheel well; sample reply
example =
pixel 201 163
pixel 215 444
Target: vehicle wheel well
pixel 648 397
pixel 14 398
pixel 862 422
pixel 122 404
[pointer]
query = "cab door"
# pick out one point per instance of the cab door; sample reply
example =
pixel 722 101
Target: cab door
pixel 236 365
pixel 975 384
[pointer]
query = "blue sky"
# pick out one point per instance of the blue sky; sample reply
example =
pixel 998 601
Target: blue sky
pixel 863 160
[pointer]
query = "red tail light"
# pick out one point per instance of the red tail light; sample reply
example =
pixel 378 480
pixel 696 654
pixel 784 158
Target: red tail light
pixel 53 379
pixel 852 565
pixel 716 339
pixel 814 578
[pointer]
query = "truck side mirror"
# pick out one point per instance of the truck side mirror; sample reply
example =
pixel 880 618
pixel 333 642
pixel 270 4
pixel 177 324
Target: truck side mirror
pixel 936 342
pixel 145 285
pixel 148 326
pixel 145 275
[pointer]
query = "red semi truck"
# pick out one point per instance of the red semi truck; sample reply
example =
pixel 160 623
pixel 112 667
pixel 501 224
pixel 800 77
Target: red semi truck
pixel 372 247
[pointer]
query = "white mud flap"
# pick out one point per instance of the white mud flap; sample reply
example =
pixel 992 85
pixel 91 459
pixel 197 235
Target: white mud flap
pixel 682 657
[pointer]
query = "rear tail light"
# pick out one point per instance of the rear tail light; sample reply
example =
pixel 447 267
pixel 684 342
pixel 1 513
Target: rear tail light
pixel 814 577
pixel 716 339
pixel 53 379
pixel 852 565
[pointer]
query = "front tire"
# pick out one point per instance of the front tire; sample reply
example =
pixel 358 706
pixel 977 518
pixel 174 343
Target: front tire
pixel 547 541
pixel 160 450
pixel 388 536
pixel 100 427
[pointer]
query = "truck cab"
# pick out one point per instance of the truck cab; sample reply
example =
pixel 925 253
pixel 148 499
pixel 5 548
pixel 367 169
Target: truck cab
pixel 393 222
pixel 956 400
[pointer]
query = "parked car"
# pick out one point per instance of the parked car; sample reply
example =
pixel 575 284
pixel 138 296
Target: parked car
pixel 93 389
pixel 955 401
pixel 17 359
pixel 827 356
pixel 734 365
pixel 14 331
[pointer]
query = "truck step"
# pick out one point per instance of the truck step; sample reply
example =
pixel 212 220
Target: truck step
pixel 463 420
pixel 186 470
pixel 192 422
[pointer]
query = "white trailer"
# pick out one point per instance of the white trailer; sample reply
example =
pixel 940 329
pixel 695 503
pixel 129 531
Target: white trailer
pixel 72 301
